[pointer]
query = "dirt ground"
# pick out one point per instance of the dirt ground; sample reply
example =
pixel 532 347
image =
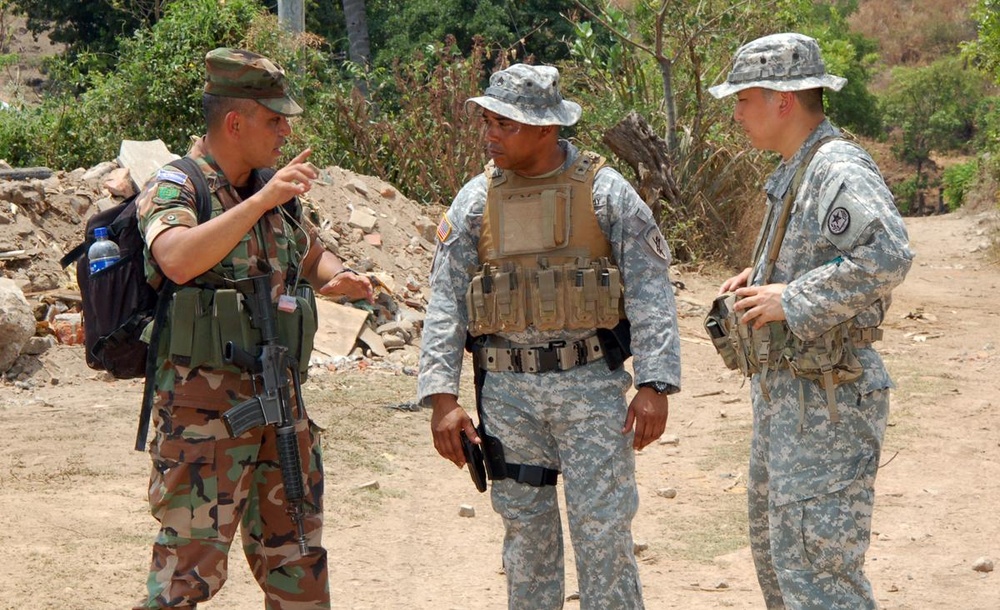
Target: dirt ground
pixel 75 531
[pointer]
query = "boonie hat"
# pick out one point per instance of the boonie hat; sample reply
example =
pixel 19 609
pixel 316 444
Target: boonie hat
pixel 529 95
pixel 780 62
pixel 242 74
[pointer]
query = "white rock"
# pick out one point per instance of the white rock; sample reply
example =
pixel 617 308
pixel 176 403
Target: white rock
pixel 467 510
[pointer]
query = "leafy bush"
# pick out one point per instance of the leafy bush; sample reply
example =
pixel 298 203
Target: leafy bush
pixel 413 131
pixel 905 194
pixel 154 93
pixel 958 180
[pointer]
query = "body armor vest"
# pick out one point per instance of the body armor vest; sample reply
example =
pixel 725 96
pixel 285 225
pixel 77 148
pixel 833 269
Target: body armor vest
pixel 545 261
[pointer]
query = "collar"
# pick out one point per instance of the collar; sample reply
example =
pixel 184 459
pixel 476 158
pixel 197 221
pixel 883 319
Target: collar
pixel 778 182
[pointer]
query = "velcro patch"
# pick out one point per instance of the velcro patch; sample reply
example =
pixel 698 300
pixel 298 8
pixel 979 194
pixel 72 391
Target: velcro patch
pixel 169 175
pixel 167 192
pixel 444 228
pixel 839 220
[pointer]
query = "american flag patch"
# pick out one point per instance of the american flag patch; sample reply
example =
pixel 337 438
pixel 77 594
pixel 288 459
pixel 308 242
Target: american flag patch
pixel 444 228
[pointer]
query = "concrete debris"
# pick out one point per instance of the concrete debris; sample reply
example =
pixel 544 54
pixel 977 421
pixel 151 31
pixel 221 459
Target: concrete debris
pixel 43 214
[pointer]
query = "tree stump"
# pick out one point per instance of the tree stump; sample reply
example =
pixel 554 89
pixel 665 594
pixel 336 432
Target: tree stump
pixel 633 140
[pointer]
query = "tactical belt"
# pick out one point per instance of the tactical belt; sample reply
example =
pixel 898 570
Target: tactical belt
pixel 556 356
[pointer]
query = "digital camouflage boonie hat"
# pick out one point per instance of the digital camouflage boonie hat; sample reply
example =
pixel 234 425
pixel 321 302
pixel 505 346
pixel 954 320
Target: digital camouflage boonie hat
pixel 242 74
pixel 780 62
pixel 528 95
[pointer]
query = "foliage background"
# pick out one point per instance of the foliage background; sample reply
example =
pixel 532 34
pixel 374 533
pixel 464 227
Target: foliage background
pixel 138 75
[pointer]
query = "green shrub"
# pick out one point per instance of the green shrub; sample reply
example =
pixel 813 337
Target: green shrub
pixel 906 193
pixel 958 180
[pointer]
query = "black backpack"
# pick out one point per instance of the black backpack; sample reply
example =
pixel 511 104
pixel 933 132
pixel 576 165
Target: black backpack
pixel 118 303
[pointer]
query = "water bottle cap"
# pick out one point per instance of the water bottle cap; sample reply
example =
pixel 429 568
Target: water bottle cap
pixel 101 232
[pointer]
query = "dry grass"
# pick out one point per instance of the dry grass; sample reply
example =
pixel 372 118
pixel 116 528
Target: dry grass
pixel 915 32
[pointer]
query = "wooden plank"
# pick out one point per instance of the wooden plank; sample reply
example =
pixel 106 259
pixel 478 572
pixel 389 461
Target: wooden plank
pixel 25 173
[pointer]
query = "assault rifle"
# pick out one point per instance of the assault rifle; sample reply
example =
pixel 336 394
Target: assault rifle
pixel 272 406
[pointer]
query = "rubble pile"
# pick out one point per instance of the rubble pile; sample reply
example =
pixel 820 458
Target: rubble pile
pixel 368 223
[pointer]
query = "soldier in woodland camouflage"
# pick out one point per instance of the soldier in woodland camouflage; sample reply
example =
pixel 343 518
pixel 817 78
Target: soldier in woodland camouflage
pixel 840 251
pixel 203 483
pixel 558 246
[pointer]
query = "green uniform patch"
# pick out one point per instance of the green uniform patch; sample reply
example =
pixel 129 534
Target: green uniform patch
pixel 167 192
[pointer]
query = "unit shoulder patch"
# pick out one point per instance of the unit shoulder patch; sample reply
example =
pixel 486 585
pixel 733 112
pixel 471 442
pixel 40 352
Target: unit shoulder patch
pixel 839 220
pixel 167 192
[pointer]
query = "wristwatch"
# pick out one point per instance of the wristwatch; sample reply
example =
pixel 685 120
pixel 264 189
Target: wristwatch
pixel 660 387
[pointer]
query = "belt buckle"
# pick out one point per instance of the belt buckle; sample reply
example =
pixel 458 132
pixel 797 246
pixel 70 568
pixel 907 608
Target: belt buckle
pixel 580 347
pixel 548 358
pixel 515 360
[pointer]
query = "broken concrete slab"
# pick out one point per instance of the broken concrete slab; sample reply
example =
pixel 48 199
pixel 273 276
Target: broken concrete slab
pixel 143 158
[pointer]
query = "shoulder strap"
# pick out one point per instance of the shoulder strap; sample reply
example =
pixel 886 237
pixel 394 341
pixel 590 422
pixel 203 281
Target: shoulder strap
pixel 786 209
pixel 203 201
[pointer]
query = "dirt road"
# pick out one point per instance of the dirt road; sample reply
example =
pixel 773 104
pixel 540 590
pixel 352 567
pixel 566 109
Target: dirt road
pixel 74 530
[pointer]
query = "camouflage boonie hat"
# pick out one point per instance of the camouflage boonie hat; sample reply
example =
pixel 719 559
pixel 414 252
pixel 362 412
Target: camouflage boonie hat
pixel 242 74
pixel 780 62
pixel 528 95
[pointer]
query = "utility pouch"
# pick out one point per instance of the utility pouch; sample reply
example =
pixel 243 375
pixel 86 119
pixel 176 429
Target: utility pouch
pixel 297 324
pixel 609 293
pixel 232 321
pixel 480 303
pixel 718 324
pixel 547 301
pixel 508 288
pixel 829 359
pixel 581 292
pixel 194 334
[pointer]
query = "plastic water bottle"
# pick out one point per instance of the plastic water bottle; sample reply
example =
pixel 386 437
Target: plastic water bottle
pixel 103 252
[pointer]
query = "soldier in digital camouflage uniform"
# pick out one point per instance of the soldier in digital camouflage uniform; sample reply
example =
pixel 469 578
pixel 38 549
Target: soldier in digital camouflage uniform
pixel 552 400
pixel 814 455
pixel 204 483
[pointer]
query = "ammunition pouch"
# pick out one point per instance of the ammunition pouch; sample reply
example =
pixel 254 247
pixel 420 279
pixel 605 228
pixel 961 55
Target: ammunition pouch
pixel 830 359
pixel 203 320
pixel 579 295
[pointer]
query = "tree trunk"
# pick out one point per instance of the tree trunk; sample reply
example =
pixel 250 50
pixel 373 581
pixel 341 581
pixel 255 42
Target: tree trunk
pixel 633 140
pixel 667 73
pixel 292 15
pixel 356 16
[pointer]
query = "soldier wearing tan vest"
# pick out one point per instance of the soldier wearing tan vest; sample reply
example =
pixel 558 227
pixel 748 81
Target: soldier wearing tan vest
pixel 544 263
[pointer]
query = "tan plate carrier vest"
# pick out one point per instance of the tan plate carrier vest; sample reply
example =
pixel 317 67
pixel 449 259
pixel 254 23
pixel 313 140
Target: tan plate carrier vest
pixel 545 261
pixel 829 359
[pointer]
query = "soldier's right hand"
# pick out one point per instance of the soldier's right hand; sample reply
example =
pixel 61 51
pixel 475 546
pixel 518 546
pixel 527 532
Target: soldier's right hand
pixel 737 281
pixel 292 180
pixel 447 421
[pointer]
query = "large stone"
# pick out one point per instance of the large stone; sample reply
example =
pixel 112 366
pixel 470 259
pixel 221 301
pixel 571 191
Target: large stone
pixel 17 323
